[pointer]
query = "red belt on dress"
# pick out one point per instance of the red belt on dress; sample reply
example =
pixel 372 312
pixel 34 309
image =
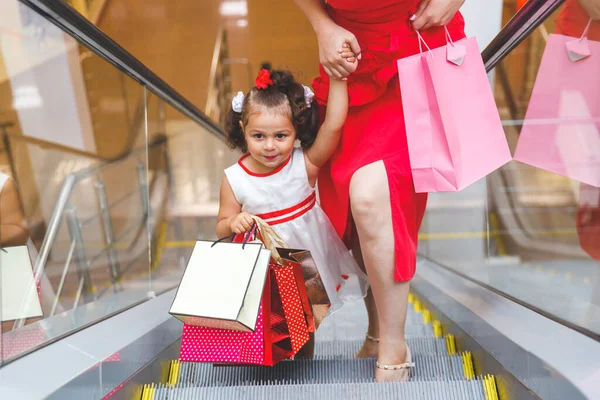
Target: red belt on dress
pixel 290 213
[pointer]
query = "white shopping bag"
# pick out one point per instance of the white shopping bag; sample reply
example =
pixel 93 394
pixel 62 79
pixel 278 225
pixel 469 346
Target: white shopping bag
pixel 222 285
pixel 18 295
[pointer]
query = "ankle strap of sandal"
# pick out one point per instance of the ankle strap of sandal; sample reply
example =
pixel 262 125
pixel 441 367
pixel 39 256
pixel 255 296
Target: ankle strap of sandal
pixel 372 338
pixel 394 367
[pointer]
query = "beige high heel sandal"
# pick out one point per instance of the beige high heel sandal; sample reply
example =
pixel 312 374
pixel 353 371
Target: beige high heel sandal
pixel 405 365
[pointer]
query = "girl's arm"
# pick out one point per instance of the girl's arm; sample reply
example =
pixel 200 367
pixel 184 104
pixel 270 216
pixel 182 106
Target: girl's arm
pixel 231 219
pixel 329 133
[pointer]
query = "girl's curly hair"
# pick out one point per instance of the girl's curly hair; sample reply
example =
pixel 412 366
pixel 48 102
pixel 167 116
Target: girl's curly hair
pixel 284 96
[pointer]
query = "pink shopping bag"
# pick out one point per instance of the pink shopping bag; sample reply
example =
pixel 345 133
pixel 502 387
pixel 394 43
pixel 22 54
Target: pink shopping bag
pixel 561 130
pixel 453 128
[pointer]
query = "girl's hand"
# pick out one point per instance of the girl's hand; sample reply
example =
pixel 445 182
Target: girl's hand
pixel 347 53
pixel 331 40
pixel 241 223
pixel 435 13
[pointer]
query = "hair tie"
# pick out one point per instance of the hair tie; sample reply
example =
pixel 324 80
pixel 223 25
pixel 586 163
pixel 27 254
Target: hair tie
pixel 263 80
pixel 308 95
pixel 238 102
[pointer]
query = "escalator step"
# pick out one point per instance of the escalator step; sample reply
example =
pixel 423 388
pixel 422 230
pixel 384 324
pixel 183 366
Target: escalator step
pixel 428 367
pixel 327 350
pixel 350 323
pixel 414 390
pixel 352 330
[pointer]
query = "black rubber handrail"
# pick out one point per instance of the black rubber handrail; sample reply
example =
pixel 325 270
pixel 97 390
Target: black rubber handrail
pixel 526 20
pixel 66 18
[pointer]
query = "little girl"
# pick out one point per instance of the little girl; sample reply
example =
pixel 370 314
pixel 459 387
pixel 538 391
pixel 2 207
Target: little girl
pixel 276 181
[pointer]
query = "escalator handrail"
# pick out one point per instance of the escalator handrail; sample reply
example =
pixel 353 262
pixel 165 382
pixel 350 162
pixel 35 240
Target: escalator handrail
pixel 526 20
pixel 66 18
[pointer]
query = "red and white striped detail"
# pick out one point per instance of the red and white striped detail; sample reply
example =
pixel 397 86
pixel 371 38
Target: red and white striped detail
pixel 291 213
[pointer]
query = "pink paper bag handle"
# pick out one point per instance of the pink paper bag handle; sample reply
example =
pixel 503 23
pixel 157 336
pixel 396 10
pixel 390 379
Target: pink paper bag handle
pixel 422 42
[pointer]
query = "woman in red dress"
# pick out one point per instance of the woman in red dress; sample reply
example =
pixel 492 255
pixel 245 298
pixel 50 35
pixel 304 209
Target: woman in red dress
pixel 367 189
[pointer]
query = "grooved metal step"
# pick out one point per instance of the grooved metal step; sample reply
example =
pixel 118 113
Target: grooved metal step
pixel 350 324
pixel 304 371
pixel 413 390
pixel 327 350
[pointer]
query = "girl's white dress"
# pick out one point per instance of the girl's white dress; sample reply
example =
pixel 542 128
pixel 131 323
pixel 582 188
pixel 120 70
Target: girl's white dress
pixel 287 202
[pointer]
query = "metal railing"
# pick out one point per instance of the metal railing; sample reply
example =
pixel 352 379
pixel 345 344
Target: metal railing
pixel 220 94
pixel 66 210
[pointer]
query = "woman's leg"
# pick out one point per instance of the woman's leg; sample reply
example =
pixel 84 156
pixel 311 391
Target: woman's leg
pixel 371 210
pixel 370 347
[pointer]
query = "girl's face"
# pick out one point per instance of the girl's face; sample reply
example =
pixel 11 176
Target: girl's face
pixel 270 137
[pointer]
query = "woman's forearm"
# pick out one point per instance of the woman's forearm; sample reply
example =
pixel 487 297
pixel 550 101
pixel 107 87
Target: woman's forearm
pixel 315 12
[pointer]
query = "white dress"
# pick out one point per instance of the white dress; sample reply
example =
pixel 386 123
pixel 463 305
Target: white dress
pixel 287 202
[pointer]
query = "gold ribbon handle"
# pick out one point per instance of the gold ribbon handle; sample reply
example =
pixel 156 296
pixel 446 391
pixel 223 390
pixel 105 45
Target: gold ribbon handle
pixel 270 238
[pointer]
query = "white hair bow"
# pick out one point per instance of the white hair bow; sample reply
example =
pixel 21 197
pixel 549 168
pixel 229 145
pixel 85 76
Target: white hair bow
pixel 308 95
pixel 238 102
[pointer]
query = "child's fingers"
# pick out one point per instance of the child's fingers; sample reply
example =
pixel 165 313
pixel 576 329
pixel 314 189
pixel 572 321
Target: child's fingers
pixel 249 220
pixel 351 60
pixel 345 46
pixel 245 224
pixel 348 54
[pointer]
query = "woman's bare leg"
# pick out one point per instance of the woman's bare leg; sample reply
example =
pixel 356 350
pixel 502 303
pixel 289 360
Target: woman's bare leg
pixel 369 348
pixel 371 210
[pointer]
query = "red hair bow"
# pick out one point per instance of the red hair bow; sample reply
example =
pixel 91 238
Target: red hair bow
pixel 263 80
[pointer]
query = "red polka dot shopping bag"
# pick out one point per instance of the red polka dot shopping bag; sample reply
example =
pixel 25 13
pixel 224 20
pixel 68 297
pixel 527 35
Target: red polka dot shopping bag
pixel 283 324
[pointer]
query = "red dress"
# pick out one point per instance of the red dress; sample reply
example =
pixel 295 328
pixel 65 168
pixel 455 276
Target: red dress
pixel 374 129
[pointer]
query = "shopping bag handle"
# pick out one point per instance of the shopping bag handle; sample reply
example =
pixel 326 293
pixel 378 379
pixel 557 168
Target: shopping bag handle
pixel 247 237
pixel 422 42
pixel 270 238
pixel 586 30
pixel 448 39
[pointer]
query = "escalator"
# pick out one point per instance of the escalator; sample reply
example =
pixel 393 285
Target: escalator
pixel 117 235
pixel 442 371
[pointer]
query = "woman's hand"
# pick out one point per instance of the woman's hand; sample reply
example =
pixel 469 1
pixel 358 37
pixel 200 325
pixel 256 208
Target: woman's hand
pixel 592 7
pixel 241 223
pixel 332 37
pixel 436 13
